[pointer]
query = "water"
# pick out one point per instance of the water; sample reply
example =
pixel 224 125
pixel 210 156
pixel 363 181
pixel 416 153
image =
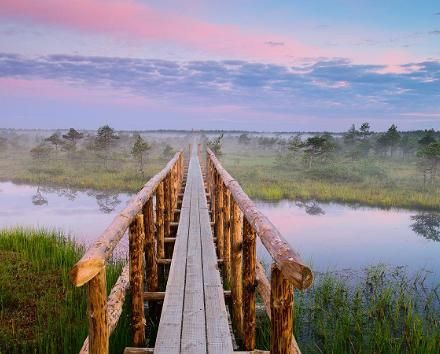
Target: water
pixel 328 236
pixel 335 237
pixel 82 214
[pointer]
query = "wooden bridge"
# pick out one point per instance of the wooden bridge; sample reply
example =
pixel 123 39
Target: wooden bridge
pixel 193 267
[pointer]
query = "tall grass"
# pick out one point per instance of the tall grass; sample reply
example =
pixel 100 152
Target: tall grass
pixel 40 310
pixel 379 311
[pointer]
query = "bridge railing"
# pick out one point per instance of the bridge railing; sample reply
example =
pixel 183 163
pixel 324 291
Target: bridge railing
pixel 138 218
pixel 237 221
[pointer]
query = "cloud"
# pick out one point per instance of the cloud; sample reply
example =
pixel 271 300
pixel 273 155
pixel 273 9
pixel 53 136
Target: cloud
pixel 436 32
pixel 139 21
pixel 274 44
pixel 334 88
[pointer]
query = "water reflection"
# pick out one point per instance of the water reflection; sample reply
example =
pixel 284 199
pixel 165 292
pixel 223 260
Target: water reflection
pixel 427 225
pixel 82 214
pixel 38 198
pixel 311 207
pixel 107 201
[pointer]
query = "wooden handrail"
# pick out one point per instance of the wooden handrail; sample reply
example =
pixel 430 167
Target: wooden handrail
pixel 94 259
pixel 286 259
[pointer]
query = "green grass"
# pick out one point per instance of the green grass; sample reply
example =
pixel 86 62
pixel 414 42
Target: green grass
pixel 380 311
pixel 121 174
pixel 40 311
pixel 372 182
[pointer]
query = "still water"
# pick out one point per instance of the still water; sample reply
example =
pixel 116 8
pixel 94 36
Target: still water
pixel 335 237
pixel 328 236
pixel 82 214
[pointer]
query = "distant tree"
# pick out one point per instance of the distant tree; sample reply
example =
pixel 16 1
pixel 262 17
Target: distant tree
pixel 318 147
pixel 295 144
pixel 392 137
pixel 430 161
pixel 244 139
pixel 215 144
pixel 55 140
pixel 104 140
pixel 351 136
pixel 139 149
pixel 428 138
pixel 168 151
pixel 41 152
pixel 364 131
pixel 267 142
pixel 73 136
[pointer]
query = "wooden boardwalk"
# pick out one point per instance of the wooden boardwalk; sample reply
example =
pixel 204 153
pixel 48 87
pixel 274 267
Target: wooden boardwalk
pixel 194 318
pixel 192 234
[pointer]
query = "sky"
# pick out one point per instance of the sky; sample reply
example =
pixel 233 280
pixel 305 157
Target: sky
pixel 267 65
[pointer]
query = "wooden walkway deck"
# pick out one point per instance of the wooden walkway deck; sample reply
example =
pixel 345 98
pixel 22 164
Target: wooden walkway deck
pixel 170 217
pixel 194 318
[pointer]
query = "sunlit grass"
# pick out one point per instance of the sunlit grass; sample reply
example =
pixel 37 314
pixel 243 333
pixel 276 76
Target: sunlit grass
pixel 40 310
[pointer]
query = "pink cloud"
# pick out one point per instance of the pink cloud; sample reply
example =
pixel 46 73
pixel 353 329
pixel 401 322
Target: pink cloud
pixel 134 20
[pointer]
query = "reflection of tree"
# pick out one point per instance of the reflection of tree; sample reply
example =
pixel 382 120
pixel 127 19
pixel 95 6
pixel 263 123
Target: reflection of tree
pixel 38 198
pixel 311 207
pixel 107 202
pixel 67 192
pixel 427 225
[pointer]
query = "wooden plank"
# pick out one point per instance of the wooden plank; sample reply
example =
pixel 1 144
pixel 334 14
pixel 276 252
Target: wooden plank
pixel 219 338
pixel 194 327
pixel 170 326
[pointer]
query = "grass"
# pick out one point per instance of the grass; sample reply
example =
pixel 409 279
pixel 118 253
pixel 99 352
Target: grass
pixel 40 311
pixel 381 311
pixel 372 182
pixel 121 175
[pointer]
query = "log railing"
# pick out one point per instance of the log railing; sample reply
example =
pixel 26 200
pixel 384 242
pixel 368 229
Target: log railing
pixel 138 218
pixel 237 223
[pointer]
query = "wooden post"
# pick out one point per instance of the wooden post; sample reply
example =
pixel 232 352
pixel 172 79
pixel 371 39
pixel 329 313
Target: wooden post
pixel 236 269
pixel 160 227
pixel 281 302
pixel 150 247
pixel 167 202
pixel 213 194
pixel 97 311
pixel 219 217
pixel 249 285
pixel 136 246
pixel 227 235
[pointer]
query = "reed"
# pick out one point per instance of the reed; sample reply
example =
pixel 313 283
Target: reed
pixel 40 311
pixel 380 310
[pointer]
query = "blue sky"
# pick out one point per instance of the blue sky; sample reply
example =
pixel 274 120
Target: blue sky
pixel 260 65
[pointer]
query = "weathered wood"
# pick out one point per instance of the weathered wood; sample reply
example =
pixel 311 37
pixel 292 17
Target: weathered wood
pixel 115 303
pixel 236 269
pixel 136 248
pixel 286 258
pixel 138 350
pixel 94 259
pixel 97 312
pixel 160 295
pixel 227 236
pixel 151 281
pixel 281 301
pixel 263 287
pixel 249 285
pixel 168 206
pixel 217 328
pixel 170 326
pixel 160 215
pixel 219 217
